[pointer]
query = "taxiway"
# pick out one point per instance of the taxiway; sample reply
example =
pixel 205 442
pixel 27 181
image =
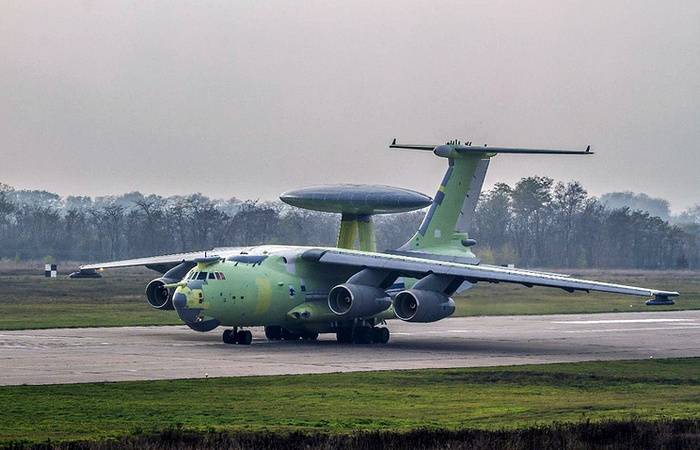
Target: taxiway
pixel 163 352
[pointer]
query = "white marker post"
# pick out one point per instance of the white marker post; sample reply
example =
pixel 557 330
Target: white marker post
pixel 51 270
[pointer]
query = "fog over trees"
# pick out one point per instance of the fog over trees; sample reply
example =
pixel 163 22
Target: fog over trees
pixel 536 223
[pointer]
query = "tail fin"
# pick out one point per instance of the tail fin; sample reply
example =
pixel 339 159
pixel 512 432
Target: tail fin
pixel 443 234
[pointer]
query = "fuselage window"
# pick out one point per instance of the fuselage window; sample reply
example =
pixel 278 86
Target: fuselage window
pixel 202 276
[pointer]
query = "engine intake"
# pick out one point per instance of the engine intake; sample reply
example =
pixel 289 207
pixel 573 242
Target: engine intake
pixel 158 296
pixel 415 305
pixel 357 300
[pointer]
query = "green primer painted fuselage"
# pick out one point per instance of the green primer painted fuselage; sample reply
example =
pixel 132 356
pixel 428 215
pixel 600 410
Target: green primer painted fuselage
pixel 265 286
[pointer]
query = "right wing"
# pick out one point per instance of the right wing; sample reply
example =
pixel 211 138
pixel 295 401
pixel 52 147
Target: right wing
pixel 420 267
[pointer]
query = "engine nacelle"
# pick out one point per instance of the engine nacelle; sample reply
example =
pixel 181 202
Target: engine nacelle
pixel 158 296
pixel 357 300
pixel 415 305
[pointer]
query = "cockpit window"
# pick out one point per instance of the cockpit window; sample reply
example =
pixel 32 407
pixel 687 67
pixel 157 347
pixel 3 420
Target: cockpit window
pixel 248 259
pixel 202 276
pixel 212 276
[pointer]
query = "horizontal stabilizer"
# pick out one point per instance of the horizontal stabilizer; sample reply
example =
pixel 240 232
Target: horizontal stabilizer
pixel 468 148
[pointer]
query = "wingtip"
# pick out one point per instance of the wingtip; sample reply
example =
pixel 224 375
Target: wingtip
pixel 393 142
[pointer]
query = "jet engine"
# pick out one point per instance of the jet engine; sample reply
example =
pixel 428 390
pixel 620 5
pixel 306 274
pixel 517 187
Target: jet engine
pixel 357 300
pixel 416 305
pixel 158 296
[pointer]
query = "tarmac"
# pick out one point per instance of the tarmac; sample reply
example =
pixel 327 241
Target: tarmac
pixel 79 355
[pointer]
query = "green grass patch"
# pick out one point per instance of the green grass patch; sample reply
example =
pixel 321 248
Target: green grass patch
pixel 485 398
pixel 32 301
pixel 28 300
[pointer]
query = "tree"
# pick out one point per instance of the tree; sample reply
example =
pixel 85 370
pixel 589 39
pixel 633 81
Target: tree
pixel 531 206
pixel 568 203
pixel 493 217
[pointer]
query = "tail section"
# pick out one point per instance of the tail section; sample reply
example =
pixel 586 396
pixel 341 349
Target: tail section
pixel 443 234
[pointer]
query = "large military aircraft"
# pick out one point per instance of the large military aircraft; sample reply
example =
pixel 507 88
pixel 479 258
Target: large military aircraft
pixel 298 292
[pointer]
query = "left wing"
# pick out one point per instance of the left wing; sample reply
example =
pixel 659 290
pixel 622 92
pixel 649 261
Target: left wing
pixel 420 267
pixel 161 263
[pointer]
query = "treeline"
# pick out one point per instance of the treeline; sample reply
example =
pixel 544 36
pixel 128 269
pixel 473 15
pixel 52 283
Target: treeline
pixel 535 223
pixel 540 223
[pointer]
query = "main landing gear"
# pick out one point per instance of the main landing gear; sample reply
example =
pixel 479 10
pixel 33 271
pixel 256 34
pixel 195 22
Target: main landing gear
pixel 235 336
pixel 363 335
pixel 276 333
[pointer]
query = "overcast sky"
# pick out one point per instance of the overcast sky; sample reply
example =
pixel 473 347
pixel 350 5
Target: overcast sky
pixel 251 98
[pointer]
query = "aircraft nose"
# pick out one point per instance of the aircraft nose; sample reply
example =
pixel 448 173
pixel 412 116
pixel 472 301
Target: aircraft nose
pixel 179 300
pixel 186 302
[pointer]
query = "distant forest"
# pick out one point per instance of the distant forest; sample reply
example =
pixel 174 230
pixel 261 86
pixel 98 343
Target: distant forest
pixel 536 223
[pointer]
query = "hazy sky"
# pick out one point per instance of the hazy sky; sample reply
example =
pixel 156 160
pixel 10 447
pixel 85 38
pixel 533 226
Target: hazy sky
pixel 251 98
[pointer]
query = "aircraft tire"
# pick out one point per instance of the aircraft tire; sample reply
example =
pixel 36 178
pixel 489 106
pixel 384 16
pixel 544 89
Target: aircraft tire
pixel 273 333
pixel 362 335
pixel 344 335
pixel 309 336
pixel 229 337
pixel 380 335
pixel 244 337
pixel 288 335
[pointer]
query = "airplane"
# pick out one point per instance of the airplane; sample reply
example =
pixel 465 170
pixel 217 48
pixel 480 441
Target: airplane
pixel 298 292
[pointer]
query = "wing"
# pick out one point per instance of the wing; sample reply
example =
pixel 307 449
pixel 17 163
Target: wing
pixel 161 263
pixel 420 267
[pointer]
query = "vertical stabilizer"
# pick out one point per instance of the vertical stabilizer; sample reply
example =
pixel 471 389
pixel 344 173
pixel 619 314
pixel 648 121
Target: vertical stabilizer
pixel 443 234
pixel 466 216
pixel 444 228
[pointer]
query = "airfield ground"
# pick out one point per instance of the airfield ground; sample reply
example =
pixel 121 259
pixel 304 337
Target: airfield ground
pixel 29 300
pixel 78 355
pixel 332 404
pixel 484 398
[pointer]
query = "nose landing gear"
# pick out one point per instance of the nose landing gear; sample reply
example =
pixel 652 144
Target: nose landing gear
pixel 235 336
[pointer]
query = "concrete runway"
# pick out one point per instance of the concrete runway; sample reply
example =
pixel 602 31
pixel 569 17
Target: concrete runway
pixel 141 353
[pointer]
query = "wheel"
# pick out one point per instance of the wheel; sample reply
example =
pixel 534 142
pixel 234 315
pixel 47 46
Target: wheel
pixel 380 335
pixel 289 335
pixel 362 335
pixel 229 337
pixel 344 335
pixel 273 333
pixel 309 336
pixel 244 337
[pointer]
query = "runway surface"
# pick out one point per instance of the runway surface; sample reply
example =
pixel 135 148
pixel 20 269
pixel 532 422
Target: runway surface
pixel 139 353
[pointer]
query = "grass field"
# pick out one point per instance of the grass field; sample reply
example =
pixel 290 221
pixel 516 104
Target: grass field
pixel 484 398
pixel 28 300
